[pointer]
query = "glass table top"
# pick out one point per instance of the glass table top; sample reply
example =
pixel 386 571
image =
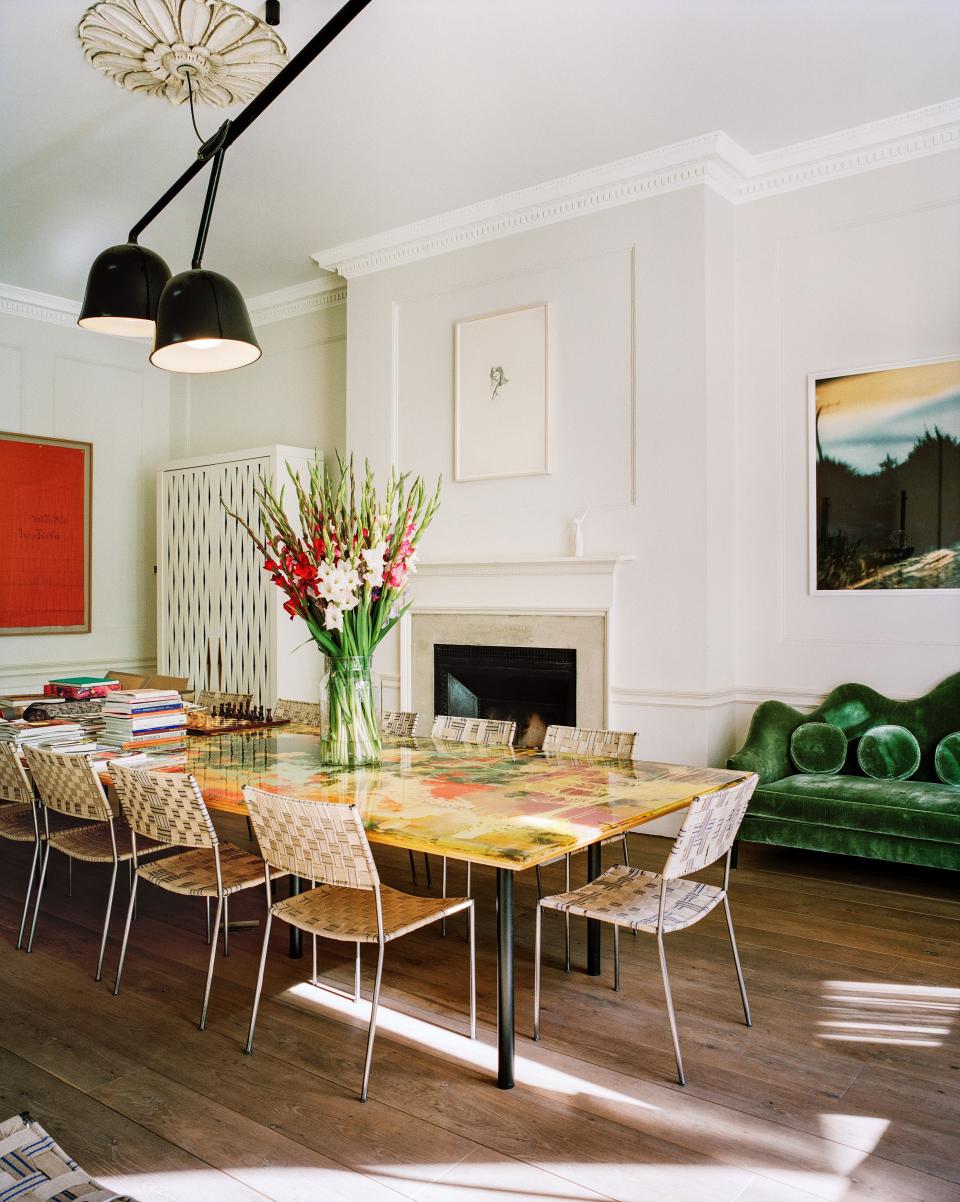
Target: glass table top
pixel 508 808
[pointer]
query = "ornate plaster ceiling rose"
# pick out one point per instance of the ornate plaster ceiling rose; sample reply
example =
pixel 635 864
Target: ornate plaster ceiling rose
pixel 148 45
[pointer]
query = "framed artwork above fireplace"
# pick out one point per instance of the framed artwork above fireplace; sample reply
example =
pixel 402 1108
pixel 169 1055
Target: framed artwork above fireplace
pixel 501 425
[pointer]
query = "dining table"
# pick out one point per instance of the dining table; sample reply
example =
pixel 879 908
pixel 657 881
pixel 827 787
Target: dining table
pixel 511 809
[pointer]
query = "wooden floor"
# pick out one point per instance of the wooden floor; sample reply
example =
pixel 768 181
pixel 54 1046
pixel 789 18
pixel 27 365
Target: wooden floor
pixel 847 1087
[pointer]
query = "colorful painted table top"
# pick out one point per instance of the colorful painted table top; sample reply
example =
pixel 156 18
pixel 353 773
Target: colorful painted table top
pixel 490 805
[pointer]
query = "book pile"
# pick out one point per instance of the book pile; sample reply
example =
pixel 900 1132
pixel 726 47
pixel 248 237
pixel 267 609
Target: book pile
pixel 144 719
pixel 81 688
pixel 53 735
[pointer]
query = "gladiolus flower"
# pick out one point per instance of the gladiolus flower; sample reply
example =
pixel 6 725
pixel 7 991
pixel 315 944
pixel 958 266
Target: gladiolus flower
pixel 333 618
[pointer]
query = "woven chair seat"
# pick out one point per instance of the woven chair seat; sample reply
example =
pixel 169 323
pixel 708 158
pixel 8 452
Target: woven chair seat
pixel 33 1168
pixel 351 915
pixel 630 897
pixel 195 872
pixel 91 842
pixel 16 823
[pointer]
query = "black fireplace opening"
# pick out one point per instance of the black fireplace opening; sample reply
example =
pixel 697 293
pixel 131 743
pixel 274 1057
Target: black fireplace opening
pixel 535 687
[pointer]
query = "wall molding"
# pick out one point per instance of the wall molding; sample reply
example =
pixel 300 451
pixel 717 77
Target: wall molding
pixel 712 160
pixel 24 676
pixel 268 307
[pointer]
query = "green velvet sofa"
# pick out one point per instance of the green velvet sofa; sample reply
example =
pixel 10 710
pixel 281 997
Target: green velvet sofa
pixel 914 821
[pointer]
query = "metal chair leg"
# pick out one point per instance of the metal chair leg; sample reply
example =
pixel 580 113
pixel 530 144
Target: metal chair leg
pixel 126 934
pixel 670 1013
pixel 226 926
pixel 736 959
pixel 413 867
pixel 106 921
pixel 313 979
pixel 26 900
pixel 256 996
pixel 616 958
pixel 356 974
pixel 213 955
pixel 69 877
pixel 566 919
pixel 536 976
pixel 539 884
pixel 371 1033
pixel 626 852
pixel 473 970
pixel 207 900
pixel 36 908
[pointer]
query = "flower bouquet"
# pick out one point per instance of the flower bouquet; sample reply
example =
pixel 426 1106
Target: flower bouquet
pixel 344 571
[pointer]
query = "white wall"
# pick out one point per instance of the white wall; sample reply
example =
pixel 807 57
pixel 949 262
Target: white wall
pixel 854 274
pixel 293 395
pixel 640 301
pixel 682 329
pixel 63 382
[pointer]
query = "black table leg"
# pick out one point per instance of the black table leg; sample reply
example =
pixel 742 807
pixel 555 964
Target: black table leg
pixel 505 1018
pixel 593 927
pixel 296 935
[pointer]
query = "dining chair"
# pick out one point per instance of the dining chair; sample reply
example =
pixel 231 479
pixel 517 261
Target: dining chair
pixel 401 724
pixel 325 842
pixel 167 808
pixel 589 742
pixel 209 698
pixel 68 784
pixel 305 712
pixel 487 732
pixel 660 903
pixel 33 1166
pixel 18 817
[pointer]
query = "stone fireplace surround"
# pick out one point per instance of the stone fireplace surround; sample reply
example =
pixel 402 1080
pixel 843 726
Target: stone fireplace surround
pixel 535 602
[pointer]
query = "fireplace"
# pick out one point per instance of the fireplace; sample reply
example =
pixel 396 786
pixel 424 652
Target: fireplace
pixel 535 687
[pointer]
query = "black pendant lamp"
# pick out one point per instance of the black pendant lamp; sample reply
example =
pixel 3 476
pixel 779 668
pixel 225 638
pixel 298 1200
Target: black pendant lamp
pixel 202 320
pixel 123 290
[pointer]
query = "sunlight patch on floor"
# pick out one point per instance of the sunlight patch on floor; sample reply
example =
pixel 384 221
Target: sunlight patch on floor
pixel 476 1053
pixel 886 1012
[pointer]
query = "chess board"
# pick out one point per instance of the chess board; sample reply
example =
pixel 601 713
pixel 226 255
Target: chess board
pixel 210 724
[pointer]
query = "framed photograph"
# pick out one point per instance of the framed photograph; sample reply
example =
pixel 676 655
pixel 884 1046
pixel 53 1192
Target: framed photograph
pixel 885 478
pixel 45 506
pixel 500 395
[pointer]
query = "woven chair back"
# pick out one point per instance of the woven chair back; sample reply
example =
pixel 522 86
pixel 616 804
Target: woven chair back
pixel 68 784
pixel 210 698
pixel 166 806
pixel 320 840
pixel 14 782
pixel 580 740
pixel 399 723
pixel 709 828
pixel 305 712
pixel 488 731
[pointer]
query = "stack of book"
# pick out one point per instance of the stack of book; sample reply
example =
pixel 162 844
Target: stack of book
pixel 81 688
pixel 144 719
pixel 53 735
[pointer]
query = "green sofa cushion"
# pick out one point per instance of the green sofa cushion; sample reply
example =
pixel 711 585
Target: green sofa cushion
pixel 818 747
pixel 947 760
pixel 888 752
pixel 838 841
pixel 909 808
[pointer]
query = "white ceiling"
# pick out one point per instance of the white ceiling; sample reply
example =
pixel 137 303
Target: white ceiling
pixel 426 105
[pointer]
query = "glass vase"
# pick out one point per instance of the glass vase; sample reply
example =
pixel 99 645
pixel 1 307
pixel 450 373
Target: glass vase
pixel 349 724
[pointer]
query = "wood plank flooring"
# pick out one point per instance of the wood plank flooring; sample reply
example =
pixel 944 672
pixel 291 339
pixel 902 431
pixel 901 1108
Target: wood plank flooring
pixel 846 1088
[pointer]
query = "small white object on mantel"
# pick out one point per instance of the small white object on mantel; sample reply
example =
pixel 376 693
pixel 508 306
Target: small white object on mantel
pixel 576 529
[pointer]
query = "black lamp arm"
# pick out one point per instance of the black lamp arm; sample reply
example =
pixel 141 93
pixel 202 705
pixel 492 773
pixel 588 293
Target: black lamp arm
pixel 228 133
pixel 212 184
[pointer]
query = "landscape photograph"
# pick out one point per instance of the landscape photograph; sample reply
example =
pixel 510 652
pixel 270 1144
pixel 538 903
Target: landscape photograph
pixel 887 478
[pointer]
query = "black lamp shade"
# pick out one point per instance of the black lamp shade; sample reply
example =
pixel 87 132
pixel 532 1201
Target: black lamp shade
pixel 123 290
pixel 203 325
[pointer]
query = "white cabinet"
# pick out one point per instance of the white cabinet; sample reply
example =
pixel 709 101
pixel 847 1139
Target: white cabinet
pixel 221 619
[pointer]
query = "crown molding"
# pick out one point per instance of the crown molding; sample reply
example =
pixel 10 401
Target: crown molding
pixel 265 308
pixel 712 160
pixel 297 300
pixel 39 306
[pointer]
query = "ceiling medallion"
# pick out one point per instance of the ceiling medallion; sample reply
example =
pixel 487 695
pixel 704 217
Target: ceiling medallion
pixel 150 46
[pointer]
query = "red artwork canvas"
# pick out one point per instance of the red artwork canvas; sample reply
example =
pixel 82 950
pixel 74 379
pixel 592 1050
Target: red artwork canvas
pixel 44 535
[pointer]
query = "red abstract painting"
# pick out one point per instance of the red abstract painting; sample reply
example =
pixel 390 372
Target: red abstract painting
pixel 44 535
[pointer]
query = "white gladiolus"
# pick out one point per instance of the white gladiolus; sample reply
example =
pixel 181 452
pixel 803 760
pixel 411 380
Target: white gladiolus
pixel 339 585
pixel 373 561
pixel 333 617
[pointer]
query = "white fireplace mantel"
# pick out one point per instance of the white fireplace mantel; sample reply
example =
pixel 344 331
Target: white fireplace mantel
pixel 566 585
